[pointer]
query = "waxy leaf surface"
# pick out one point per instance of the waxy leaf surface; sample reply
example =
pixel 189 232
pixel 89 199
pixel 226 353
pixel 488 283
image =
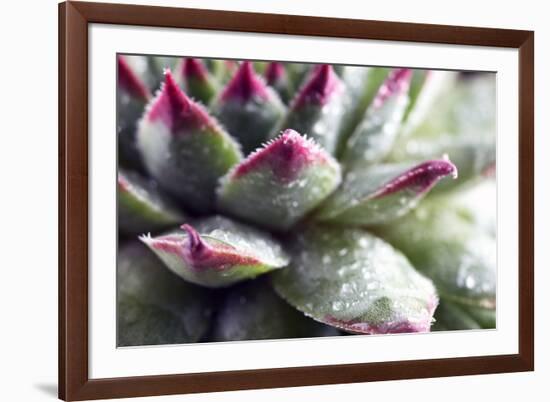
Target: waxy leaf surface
pixel 427 88
pixel 373 139
pixel 156 307
pixel 362 84
pixel 222 70
pixel 441 241
pixel 473 157
pixel 132 96
pixel 355 281
pixel 451 316
pixel 382 193
pixel 276 77
pixel 216 252
pixel 184 148
pixel 197 80
pixel 248 108
pixel 318 108
pixel 141 207
pixel 280 183
pixel 254 311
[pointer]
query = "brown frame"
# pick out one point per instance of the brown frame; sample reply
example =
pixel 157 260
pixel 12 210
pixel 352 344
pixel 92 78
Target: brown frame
pixel 74 17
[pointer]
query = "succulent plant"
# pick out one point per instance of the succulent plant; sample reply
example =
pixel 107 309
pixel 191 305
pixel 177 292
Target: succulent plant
pixel 262 200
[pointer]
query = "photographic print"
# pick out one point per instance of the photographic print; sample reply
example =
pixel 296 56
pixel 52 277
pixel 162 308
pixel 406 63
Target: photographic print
pixel 273 200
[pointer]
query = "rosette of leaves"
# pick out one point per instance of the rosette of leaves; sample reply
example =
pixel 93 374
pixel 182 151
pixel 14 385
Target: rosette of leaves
pixel 279 200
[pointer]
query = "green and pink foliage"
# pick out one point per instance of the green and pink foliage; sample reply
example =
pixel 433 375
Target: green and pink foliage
pixel 265 200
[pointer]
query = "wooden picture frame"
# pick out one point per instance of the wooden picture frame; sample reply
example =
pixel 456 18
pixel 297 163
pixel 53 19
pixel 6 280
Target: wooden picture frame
pixel 74 381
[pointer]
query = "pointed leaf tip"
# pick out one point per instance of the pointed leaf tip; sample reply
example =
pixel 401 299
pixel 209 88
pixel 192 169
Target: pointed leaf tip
pixel 383 192
pixel 281 182
pixel 285 156
pixel 245 84
pixel 374 137
pixel 320 87
pixel 175 109
pixel 420 178
pixel 194 68
pixel 248 108
pixel 274 72
pixel 202 255
pixel 170 103
pixel 397 82
pixel 130 82
pixel 278 77
pixel 217 252
pixel 197 82
pixel 195 241
pixel 183 147
pixel 318 108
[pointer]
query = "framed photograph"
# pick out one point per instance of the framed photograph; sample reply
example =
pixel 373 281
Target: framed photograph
pixel 260 200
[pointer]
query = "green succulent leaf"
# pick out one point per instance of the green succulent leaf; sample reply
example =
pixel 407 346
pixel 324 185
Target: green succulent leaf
pixel 248 108
pixel 197 80
pixel 318 108
pixel 461 124
pixel 260 66
pixel 418 81
pixel 362 83
pixel 426 87
pixel 254 311
pixel 374 138
pixel 155 306
pixel 276 77
pixel 141 207
pixel 474 159
pixel 382 193
pixel 297 73
pixel 184 148
pixel 222 70
pixel 485 317
pixel 355 281
pixel 279 184
pixel 132 96
pixel 347 169
pixel 466 108
pixel 441 241
pixel 483 215
pixel 218 253
pixel 451 316
pixel 156 67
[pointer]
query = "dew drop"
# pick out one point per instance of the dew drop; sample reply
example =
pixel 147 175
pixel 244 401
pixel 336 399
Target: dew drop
pixel 470 282
pixel 337 305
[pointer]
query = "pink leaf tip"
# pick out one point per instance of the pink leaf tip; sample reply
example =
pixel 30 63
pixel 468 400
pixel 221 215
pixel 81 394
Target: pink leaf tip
pixel 200 254
pixel 130 82
pixel 421 178
pixel 286 155
pixel 397 82
pixel 196 248
pixel 123 183
pixel 322 84
pixel 274 72
pixel 175 109
pixel 245 85
pixel 194 68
